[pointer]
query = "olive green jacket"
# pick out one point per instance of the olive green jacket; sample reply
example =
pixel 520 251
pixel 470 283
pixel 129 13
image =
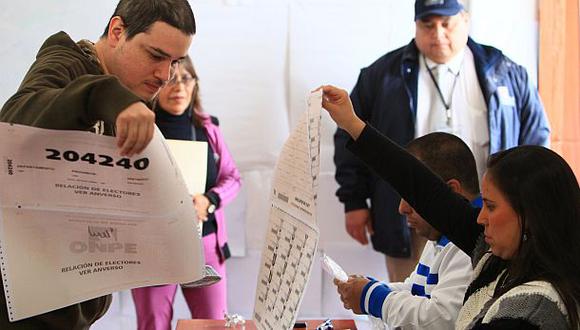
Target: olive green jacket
pixel 65 89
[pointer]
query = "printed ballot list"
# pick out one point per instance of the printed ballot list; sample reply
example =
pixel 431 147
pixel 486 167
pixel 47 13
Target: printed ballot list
pixel 78 221
pixel 292 235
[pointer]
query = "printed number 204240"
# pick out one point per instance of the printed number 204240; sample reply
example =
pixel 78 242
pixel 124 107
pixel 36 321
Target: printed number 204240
pixel 103 160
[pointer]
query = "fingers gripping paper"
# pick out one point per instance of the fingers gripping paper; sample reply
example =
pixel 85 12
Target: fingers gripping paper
pixel 292 235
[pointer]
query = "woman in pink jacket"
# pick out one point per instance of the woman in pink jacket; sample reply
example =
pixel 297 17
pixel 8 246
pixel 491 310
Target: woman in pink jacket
pixel 179 116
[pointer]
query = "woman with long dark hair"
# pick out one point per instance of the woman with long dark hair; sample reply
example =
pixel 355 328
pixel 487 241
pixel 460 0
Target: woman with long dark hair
pixel 524 242
pixel 179 115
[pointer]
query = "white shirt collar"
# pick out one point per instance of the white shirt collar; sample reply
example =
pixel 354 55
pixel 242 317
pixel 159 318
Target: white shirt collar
pixel 454 64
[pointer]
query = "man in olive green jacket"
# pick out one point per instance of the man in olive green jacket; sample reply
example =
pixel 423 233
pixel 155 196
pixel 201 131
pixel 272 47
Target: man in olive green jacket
pixel 102 87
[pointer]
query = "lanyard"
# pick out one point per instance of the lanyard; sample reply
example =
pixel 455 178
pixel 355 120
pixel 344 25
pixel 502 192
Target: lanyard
pixel 441 97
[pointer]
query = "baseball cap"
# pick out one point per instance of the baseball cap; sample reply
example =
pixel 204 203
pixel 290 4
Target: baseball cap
pixel 424 8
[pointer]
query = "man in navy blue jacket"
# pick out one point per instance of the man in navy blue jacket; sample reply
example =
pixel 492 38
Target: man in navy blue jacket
pixel 441 81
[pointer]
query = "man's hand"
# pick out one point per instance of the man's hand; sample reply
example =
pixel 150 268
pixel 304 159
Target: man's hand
pixel 350 292
pixel 337 102
pixel 201 203
pixel 358 223
pixel 134 126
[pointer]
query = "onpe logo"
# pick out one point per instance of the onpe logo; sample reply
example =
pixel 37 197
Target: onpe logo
pixel 102 240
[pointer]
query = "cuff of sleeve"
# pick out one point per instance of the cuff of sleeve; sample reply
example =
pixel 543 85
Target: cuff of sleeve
pixel 214 198
pixel 377 299
pixel 363 296
pixel 372 298
pixel 355 205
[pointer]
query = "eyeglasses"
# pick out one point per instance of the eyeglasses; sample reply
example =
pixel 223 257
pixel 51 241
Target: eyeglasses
pixel 173 70
pixel 186 79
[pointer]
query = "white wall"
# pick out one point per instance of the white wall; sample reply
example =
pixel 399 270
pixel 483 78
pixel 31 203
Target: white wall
pixel 257 59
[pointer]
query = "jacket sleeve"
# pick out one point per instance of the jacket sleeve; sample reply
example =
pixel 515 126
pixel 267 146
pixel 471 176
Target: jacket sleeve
pixel 402 309
pixel 351 174
pixel 445 210
pixel 228 180
pixel 58 93
pixel 534 126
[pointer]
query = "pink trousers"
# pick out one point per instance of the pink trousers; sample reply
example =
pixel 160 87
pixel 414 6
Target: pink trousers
pixel 154 304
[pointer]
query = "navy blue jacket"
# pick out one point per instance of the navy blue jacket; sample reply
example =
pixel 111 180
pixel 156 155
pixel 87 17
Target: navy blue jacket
pixel 386 96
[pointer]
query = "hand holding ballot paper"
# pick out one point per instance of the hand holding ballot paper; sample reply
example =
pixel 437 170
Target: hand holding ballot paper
pixel 349 287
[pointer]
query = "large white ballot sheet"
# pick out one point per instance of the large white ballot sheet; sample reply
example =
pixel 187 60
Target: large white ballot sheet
pixel 78 221
pixel 292 235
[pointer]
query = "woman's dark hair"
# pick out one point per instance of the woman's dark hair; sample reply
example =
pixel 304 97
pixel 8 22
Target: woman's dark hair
pixel 139 15
pixel 542 189
pixel 195 108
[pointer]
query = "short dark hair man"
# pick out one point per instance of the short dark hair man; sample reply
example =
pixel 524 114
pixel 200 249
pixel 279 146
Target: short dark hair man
pixel 103 87
pixel 441 81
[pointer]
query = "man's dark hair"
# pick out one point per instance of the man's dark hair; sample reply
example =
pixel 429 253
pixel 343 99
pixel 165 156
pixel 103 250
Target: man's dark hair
pixel 448 157
pixel 139 15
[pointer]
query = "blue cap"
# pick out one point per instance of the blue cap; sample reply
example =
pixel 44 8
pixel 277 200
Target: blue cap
pixel 424 8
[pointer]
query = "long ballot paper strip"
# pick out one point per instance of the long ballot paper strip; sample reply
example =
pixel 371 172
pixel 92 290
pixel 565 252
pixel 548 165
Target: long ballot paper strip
pixel 78 221
pixel 292 235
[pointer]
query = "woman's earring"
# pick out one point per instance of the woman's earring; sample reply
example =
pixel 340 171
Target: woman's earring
pixel 525 237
